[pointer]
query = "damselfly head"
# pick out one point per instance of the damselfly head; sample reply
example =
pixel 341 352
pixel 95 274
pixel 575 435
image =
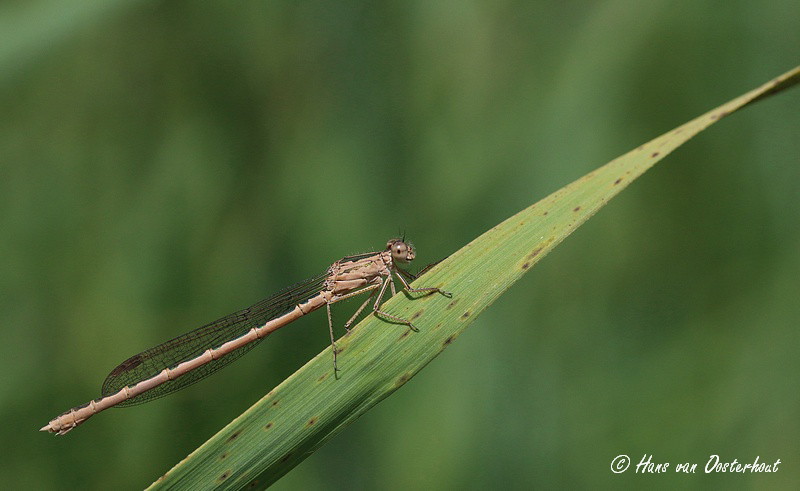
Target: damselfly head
pixel 402 252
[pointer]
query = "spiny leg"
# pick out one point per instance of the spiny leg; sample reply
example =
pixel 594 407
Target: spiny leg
pixel 339 298
pixel 360 309
pixel 333 341
pixel 377 310
pixel 330 317
pixel 426 291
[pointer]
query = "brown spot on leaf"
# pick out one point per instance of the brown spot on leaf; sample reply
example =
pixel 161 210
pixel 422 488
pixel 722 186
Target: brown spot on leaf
pixel 451 304
pixel 286 457
pixel 577 208
pixel 619 180
pixel 449 340
pixel 465 314
pixel 234 436
pixel 225 475
pixel 223 456
pixel 655 154
pixel 402 379
pixel 311 422
pixel 322 377
pixel 416 314
pixel 526 265
pixel 268 425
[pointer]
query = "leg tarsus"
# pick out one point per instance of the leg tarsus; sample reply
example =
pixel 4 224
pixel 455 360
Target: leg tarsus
pixel 426 290
pixel 398 320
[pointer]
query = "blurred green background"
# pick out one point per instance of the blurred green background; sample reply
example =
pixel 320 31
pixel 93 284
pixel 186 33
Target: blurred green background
pixel 165 163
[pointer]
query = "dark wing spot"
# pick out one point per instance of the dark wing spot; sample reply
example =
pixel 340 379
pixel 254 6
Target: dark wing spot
pixel 129 364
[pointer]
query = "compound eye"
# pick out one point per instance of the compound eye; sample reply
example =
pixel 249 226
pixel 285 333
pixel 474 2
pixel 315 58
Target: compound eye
pixel 401 252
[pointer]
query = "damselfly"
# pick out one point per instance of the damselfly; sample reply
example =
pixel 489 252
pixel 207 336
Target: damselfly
pixel 195 355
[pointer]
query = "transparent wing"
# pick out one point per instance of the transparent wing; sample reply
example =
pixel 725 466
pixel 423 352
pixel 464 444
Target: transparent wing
pixel 149 363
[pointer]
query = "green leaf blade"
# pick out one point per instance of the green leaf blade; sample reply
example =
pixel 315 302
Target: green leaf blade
pixel 311 406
